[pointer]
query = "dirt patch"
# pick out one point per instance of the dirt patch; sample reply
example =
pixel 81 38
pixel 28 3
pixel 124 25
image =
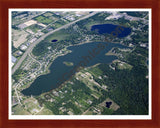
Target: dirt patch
pixel 18 37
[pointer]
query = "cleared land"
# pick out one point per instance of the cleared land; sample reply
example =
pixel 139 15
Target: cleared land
pixel 31 22
pixel 19 37
pixel 113 106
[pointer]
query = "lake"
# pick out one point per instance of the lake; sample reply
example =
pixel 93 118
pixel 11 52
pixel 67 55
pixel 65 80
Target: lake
pixel 84 55
pixel 110 28
pixel 58 69
pixel 54 40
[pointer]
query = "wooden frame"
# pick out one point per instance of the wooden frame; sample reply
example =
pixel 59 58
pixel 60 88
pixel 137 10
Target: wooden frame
pixel 6 4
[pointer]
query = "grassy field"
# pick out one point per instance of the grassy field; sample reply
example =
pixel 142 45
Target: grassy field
pixel 35 28
pixel 59 35
pixel 124 66
pixel 45 112
pixel 43 20
pixel 90 24
pixel 47 14
pixel 18 110
pixel 95 71
pixel 57 25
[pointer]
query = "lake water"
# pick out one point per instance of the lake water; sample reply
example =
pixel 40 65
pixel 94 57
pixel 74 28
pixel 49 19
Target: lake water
pixel 118 31
pixel 108 104
pixel 54 40
pixel 84 55
pixel 81 55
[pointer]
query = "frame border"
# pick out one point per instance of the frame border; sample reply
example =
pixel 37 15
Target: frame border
pixel 6 4
pixel 80 117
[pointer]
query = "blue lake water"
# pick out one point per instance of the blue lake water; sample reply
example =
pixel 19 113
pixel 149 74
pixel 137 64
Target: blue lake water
pixel 54 40
pixel 84 55
pixel 117 31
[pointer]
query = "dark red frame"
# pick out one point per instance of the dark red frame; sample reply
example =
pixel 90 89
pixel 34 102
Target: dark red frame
pixel 6 4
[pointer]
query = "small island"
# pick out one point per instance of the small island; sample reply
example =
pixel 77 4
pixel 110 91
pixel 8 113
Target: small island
pixel 68 63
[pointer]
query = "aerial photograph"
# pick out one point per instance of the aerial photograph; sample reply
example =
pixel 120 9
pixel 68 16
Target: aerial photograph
pixel 79 62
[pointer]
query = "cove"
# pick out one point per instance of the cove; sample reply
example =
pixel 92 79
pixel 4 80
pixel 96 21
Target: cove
pixel 109 28
pixel 47 82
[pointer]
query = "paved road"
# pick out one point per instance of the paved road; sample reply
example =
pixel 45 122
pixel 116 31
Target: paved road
pixel 42 38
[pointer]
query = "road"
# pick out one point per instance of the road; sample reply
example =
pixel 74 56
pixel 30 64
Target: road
pixel 42 38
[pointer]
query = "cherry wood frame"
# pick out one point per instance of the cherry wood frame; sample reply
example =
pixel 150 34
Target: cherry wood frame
pixel 6 4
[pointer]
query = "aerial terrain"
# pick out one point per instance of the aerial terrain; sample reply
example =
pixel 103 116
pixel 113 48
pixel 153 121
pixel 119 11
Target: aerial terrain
pixel 79 62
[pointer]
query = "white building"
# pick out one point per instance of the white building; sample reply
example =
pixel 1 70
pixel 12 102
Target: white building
pixel 23 47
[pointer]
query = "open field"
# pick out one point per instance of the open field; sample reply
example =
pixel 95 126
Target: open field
pixel 43 20
pixel 18 37
pixel 113 106
pixel 82 12
pixel 59 35
pixel 31 22
pixel 19 110
pixel 35 27
pixel 45 112
pixel 124 65
pixel 32 105
pixel 47 14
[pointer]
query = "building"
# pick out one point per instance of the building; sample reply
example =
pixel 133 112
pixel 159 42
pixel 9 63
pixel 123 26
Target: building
pixel 14 59
pixel 23 47
pixel 32 40
pixel 43 25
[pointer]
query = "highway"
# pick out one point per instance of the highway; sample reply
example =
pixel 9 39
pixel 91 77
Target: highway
pixel 29 50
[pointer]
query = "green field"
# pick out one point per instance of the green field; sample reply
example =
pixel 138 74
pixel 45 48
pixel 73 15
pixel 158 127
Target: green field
pixel 59 35
pixel 19 110
pixel 35 27
pixel 47 14
pixel 43 20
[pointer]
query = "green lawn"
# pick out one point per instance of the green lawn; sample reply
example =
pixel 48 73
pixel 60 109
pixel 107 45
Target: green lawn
pixel 43 20
pixel 124 66
pixel 59 35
